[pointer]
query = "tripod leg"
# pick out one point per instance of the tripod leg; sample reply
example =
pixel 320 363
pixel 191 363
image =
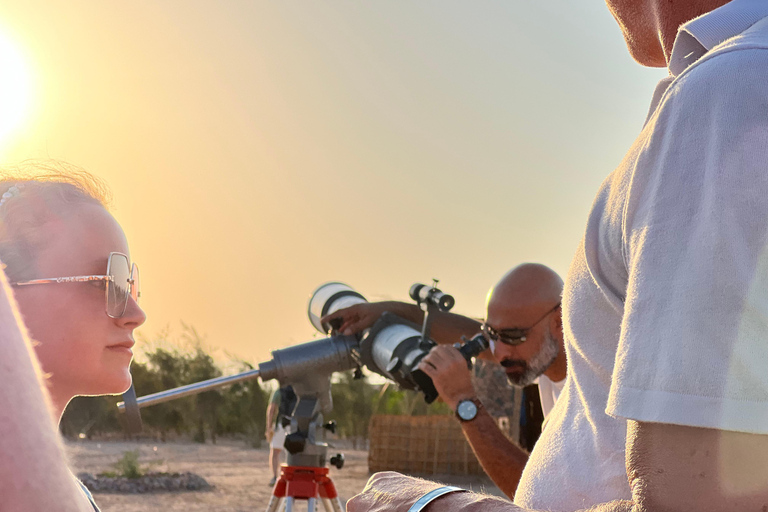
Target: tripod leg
pixel 311 504
pixel 274 504
pixel 278 494
pixel 331 500
pixel 289 504
pixel 336 504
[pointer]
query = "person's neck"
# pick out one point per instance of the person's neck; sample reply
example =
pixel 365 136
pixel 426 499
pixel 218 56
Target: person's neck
pixel 670 16
pixel 557 371
pixel 58 405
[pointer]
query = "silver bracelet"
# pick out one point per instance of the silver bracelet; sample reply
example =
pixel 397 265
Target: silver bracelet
pixel 432 496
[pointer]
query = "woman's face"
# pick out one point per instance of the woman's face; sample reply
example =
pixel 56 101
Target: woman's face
pixel 84 351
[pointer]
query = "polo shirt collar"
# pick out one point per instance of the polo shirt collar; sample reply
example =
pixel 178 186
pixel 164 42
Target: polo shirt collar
pixel 698 36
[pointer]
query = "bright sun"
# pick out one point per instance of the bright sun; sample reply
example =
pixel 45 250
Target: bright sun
pixel 15 87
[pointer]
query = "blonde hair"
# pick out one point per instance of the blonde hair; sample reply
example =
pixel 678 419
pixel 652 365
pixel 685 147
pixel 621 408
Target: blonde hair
pixel 45 190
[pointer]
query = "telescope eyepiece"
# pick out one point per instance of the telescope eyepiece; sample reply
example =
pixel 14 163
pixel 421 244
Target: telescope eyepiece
pixel 445 301
pixel 473 347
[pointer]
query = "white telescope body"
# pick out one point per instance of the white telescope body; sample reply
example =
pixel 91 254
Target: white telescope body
pixel 329 298
pixel 387 342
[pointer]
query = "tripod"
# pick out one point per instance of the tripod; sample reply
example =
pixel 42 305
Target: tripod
pixel 304 483
pixel 305 477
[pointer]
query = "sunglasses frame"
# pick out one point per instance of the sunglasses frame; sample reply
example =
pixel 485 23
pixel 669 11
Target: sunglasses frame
pixel 493 335
pixel 133 273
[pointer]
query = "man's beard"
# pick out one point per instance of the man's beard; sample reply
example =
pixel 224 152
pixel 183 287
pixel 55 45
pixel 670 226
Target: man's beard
pixel 536 366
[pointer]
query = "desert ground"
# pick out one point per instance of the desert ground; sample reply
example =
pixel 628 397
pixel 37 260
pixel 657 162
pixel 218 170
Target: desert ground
pixel 238 474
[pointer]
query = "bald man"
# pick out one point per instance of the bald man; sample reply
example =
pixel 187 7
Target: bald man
pixel 524 327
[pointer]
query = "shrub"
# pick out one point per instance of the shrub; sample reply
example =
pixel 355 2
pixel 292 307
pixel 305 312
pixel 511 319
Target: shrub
pixel 128 466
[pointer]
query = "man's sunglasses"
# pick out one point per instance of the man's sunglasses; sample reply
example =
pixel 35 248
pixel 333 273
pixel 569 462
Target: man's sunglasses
pixel 122 281
pixel 513 336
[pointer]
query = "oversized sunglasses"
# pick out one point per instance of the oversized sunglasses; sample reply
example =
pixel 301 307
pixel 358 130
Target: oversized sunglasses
pixel 122 281
pixel 513 336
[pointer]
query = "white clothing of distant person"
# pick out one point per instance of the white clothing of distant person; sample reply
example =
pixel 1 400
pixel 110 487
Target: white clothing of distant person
pixel 666 300
pixel 278 438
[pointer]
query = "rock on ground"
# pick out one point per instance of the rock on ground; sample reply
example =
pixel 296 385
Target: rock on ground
pixel 151 482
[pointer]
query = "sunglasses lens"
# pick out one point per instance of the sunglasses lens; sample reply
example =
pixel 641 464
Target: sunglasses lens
pixel 120 287
pixel 507 339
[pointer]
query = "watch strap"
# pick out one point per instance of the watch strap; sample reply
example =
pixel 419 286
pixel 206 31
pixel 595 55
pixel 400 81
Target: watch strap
pixel 432 496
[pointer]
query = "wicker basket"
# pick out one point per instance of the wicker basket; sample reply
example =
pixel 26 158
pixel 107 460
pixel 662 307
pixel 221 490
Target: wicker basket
pixel 420 444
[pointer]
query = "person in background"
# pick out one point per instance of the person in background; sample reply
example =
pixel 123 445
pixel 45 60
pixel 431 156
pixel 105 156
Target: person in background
pixel 524 328
pixel 279 411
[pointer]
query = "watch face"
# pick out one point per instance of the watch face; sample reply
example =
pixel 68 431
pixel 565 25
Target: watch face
pixel 466 410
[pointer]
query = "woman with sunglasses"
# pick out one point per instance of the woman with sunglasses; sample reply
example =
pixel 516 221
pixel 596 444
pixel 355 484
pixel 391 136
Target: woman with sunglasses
pixel 67 261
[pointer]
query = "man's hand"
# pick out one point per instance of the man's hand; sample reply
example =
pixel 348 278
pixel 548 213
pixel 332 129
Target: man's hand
pixel 449 372
pixel 393 492
pixel 357 318
pixel 269 434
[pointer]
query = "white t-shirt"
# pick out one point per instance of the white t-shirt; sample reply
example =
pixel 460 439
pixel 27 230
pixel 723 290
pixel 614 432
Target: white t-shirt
pixel 666 301
pixel 549 392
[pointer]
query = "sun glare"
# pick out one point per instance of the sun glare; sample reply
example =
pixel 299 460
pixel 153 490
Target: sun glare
pixel 14 88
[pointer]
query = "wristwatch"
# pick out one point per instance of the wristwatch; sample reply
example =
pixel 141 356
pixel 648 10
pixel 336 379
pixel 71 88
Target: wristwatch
pixel 466 410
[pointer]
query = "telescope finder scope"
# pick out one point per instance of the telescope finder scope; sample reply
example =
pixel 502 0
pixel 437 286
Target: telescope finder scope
pixel 426 294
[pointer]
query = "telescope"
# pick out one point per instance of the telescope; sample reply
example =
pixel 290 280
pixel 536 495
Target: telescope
pixel 392 348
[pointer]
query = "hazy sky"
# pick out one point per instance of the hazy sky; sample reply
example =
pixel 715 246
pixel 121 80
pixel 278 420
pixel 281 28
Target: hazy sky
pixel 258 149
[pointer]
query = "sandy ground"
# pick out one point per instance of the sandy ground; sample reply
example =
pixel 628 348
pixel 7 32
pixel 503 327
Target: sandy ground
pixel 239 475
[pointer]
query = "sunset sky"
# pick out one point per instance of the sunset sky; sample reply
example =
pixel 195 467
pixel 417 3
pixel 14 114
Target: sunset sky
pixel 258 149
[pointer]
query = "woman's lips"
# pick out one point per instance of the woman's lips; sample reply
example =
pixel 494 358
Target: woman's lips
pixel 125 347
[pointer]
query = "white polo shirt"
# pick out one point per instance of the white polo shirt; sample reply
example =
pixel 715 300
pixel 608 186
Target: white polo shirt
pixel 666 301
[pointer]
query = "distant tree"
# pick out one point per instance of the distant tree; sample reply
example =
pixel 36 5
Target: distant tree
pixel 200 367
pixel 356 400
pixel 409 403
pixel 163 371
pixel 90 416
pixel 245 409
pixel 353 401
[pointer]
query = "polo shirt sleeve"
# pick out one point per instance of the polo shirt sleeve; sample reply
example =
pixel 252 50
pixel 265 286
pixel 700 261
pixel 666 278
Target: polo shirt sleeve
pixel 693 347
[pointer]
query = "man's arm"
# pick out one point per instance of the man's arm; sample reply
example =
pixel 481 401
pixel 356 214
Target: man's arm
pixel 393 492
pixel 502 460
pixel 677 468
pixel 446 328
pixel 670 468
pixel 272 409
pixel 33 469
